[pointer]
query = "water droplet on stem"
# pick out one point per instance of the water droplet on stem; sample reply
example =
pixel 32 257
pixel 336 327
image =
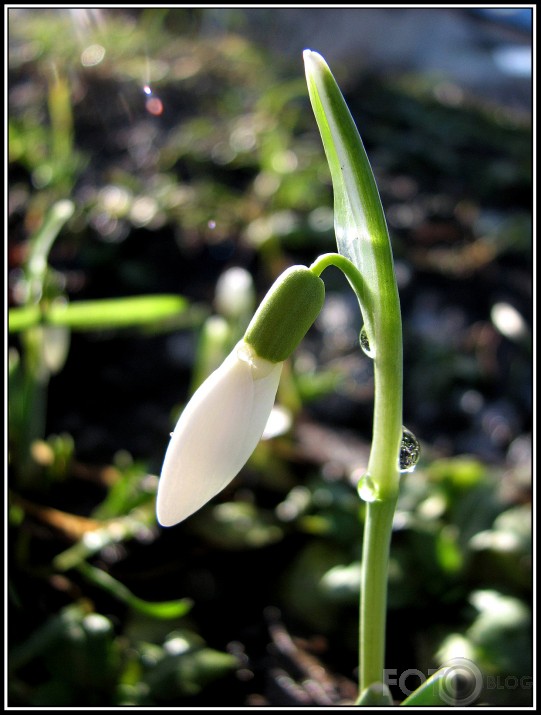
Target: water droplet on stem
pixel 410 449
pixel 366 488
pixel 365 343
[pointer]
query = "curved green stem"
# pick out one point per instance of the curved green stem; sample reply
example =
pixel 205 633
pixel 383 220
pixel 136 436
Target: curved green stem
pixel 387 349
pixel 383 468
pixel 348 269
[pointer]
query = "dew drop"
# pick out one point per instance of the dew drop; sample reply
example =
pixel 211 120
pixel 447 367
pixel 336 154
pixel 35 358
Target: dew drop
pixel 365 343
pixel 410 449
pixel 366 488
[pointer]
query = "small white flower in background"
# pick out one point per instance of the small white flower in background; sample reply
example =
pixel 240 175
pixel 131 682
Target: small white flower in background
pixel 235 293
pixel 225 419
pixel 216 433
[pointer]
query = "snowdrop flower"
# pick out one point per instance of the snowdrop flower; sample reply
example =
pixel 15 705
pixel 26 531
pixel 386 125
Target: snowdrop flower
pixel 223 422
pixel 235 293
pixel 216 433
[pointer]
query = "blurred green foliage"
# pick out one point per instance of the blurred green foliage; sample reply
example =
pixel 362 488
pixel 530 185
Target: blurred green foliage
pixel 148 155
pixel 83 661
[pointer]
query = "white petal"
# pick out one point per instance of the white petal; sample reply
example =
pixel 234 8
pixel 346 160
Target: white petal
pixel 216 434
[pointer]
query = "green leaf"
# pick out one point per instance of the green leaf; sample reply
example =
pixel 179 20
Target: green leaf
pixel 42 241
pixel 163 609
pixel 359 221
pixel 101 314
pixel 435 691
pixel 23 318
pixel 131 496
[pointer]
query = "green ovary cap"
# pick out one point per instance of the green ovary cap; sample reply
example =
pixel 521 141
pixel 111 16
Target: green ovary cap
pixel 286 314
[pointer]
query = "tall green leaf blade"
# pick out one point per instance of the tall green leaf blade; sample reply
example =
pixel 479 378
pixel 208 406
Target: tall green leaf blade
pixel 436 691
pixel 41 244
pixel 362 237
pixel 360 226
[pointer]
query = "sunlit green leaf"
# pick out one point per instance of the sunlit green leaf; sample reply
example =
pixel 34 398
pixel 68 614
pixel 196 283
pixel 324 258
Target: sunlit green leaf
pixel 359 221
pixel 41 243
pixel 163 609
pixel 434 692
pixel 101 314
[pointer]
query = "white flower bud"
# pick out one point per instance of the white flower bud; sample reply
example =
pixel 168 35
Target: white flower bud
pixel 216 433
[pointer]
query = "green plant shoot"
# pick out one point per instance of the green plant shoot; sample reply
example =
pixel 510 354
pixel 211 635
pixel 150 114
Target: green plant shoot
pixel 362 237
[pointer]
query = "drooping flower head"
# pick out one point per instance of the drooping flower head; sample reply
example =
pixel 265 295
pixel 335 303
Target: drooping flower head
pixel 224 420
